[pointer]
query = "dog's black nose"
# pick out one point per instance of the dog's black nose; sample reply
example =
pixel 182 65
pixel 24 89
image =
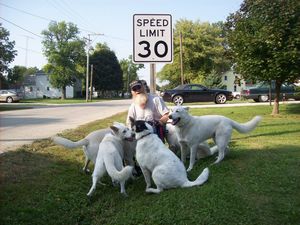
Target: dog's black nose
pixel 170 116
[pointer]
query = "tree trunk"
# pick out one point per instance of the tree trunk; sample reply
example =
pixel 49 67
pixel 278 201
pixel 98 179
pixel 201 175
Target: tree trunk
pixel 277 98
pixel 63 93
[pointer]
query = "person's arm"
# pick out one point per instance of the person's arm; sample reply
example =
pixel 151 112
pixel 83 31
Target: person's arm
pixel 130 114
pixel 164 118
pixel 162 109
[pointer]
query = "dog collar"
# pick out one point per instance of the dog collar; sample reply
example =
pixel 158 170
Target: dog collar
pixel 144 136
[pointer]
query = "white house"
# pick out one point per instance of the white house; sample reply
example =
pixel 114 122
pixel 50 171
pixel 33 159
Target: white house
pixel 38 86
pixel 233 82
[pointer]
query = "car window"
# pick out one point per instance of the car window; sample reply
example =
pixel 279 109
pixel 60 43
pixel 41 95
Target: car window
pixel 188 87
pixel 196 88
pixel 179 87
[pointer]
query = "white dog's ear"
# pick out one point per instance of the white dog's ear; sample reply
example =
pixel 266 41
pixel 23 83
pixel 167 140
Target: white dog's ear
pixel 186 108
pixel 114 128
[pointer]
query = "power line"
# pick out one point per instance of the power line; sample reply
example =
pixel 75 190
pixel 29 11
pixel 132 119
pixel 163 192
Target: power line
pixel 30 50
pixel 51 20
pixel 73 12
pixel 22 11
pixel 117 38
pixel 41 17
pixel 21 27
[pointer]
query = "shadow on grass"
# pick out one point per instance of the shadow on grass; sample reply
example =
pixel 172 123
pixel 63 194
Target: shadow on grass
pixel 248 187
pixel 273 133
pixel 293 109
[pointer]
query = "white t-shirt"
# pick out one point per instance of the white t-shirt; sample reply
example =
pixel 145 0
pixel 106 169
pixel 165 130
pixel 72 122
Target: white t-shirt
pixel 155 108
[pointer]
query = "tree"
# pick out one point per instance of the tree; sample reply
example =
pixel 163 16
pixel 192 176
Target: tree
pixel 65 54
pixel 203 52
pixel 7 53
pixel 17 74
pixel 129 72
pixel 264 40
pixel 214 80
pixel 107 75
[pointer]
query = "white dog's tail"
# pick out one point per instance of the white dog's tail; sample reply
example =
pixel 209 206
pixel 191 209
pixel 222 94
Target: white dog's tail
pixel 69 144
pixel 122 175
pixel 246 127
pixel 203 177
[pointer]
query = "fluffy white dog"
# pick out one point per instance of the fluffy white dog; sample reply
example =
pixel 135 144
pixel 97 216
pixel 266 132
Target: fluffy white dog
pixel 203 149
pixel 90 146
pixel 110 157
pixel 193 130
pixel 157 160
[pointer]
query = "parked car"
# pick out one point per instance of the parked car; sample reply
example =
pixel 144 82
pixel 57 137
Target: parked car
pixel 196 93
pixel 261 92
pixel 9 96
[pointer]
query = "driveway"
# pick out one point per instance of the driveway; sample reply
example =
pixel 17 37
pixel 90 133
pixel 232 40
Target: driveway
pixel 20 127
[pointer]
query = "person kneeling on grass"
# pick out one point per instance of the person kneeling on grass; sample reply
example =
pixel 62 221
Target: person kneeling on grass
pixel 148 107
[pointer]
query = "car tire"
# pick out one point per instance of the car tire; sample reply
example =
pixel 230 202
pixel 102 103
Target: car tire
pixel 178 100
pixel 220 99
pixel 263 98
pixel 237 96
pixel 9 100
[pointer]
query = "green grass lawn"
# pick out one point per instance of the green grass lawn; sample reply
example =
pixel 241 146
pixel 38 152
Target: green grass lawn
pixel 257 183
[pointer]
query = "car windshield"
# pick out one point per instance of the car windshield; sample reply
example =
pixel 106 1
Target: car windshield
pixel 179 87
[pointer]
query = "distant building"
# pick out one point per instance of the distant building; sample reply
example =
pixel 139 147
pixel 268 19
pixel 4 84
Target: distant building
pixel 38 86
pixel 234 82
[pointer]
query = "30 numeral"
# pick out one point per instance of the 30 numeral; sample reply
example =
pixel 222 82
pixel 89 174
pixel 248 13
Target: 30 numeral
pixel 156 47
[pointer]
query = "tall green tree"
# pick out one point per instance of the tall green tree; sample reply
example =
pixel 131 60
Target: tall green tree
pixel 16 75
pixel 203 52
pixel 65 54
pixel 264 40
pixel 7 53
pixel 107 74
pixel 130 72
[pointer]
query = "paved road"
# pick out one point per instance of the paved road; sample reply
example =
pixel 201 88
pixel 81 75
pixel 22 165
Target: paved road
pixel 20 127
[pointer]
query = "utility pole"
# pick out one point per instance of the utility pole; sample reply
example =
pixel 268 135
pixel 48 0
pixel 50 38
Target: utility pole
pixel 26 49
pixel 91 94
pixel 152 78
pixel 87 65
pixel 181 60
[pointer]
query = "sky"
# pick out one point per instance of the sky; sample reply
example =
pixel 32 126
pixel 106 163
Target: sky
pixel 113 19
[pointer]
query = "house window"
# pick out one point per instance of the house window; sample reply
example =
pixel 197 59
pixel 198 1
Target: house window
pixel 225 77
pixel 48 89
pixel 234 88
pixel 31 89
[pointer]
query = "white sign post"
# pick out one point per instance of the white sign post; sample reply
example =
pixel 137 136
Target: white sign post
pixel 152 37
pixel 152 41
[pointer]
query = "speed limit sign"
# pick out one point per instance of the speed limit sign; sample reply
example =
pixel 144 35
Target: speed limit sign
pixel 152 38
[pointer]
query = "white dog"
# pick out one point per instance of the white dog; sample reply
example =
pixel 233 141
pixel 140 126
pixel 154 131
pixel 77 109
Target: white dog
pixel 90 146
pixel 193 130
pixel 110 157
pixel 157 160
pixel 203 149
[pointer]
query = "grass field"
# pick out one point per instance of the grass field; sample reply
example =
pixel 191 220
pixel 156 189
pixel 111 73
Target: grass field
pixel 257 183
